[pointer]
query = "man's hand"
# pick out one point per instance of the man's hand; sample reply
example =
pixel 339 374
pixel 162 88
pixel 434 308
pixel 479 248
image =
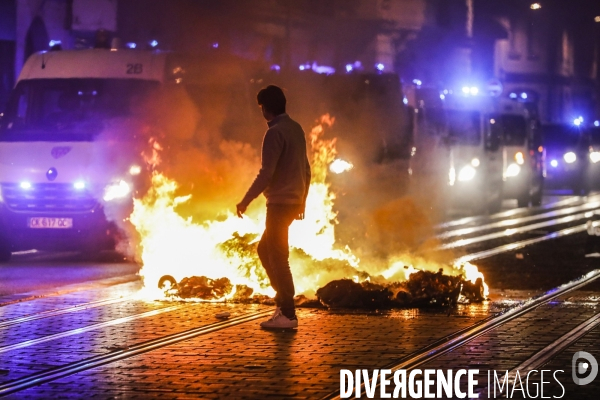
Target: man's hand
pixel 240 209
pixel 300 215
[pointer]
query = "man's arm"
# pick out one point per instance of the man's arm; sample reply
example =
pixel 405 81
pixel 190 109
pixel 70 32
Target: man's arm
pixel 271 151
pixel 306 187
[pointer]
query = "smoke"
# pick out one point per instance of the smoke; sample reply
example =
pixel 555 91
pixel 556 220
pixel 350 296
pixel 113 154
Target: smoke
pixel 206 138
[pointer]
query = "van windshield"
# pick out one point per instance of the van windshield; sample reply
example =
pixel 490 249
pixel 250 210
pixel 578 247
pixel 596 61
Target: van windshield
pixel 68 109
pixel 561 136
pixel 595 136
pixel 464 127
pixel 514 129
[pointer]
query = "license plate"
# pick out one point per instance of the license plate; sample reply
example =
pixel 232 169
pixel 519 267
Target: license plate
pixel 50 223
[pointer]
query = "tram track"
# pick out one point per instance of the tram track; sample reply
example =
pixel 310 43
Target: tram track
pixel 516 231
pixel 563 219
pixel 464 336
pixel 61 311
pixel 88 328
pixel 518 221
pixel 569 201
pixel 438 348
pixel 93 362
pixel 543 356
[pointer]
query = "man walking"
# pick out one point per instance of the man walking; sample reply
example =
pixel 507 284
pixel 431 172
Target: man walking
pixel 284 178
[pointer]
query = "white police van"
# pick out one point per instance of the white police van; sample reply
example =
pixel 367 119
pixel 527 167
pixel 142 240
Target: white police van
pixel 480 149
pixel 67 156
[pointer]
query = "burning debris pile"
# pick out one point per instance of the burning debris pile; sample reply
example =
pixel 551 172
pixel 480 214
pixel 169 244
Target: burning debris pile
pixel 202 288
pixel 214 258
pixel 423 288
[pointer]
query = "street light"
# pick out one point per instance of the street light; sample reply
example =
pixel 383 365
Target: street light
pixel 597 19
pixel 535 6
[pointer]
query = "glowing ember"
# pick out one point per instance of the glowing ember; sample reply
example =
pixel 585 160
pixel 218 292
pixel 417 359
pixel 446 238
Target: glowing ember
pixel 225 246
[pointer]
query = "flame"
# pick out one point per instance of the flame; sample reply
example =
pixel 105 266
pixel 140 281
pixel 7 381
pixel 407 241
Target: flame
pixel 471 273
pixel 225 246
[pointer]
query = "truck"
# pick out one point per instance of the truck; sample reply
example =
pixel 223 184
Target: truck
pixel 478 150
pixel 70 151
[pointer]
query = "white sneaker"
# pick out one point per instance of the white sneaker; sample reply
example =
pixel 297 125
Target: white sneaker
pixel 276 312
pixel 279 321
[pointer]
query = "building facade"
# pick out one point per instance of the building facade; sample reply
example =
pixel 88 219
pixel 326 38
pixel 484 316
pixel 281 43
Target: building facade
pixel 548 54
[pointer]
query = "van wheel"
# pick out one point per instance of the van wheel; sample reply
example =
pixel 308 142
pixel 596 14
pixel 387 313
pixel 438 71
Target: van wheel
pixel 493 202
pixel 523 201
pixel 537 191
pixel 536 200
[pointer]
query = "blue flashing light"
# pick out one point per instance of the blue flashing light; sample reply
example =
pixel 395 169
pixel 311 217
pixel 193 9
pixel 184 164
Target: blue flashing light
pixel 79 185
pixel 577 122
pixel 524 96
pixel 357 64
pixel 596 123
pixel 215 45
pixel 405 100
pixel 554 163
pixel 513 95
pixel 53 43
pixel 25 185
pixel 417 82
pixel 442 97
pixel 380 66
pixel 153 43
pixel 323 69
pixel 349 67
pixel 465 89
pixel 131 45
pixel 275 67
pixel 319 69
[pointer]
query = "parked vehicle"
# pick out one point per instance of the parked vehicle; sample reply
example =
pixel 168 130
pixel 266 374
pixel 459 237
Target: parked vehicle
pixel 522 154
pixel 70 158
pixel 482 149
pixel 567 149
pixel 594 155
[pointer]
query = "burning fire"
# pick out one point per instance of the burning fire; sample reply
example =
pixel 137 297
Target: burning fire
pixel 225 246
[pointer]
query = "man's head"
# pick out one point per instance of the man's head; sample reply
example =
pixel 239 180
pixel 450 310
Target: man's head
pixel 272 101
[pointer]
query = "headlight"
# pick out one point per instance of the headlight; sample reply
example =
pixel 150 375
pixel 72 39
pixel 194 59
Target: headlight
pixel 595 156
pixel 116 190
pixel 79 185
pixel 466 173
pixel 475 162
pixel 513 170
pixel 135 170
pixel 570 157
pixel 520 158
pixel 554 163
pixel 338 166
